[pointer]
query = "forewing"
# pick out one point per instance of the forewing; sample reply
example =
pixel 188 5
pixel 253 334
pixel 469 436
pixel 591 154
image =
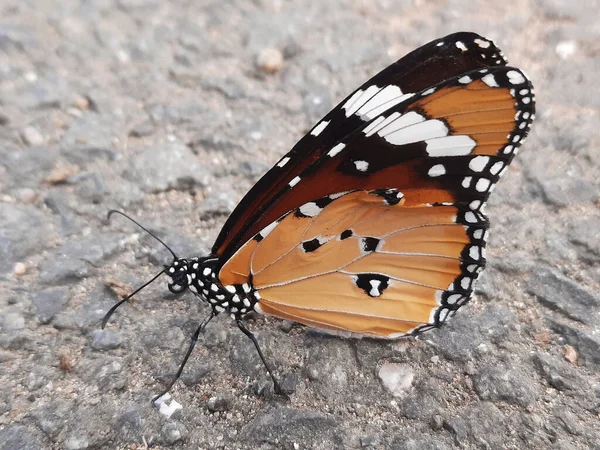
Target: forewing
pixel 426 66
pixel 447 144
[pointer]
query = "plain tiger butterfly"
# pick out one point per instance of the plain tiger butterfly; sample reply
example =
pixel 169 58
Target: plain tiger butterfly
pixel 373 223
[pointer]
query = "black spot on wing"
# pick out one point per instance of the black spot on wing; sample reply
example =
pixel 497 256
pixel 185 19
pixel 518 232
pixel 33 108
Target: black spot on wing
pixel 312 245
pixel 369 244
pixel 372 283
pixel 345 234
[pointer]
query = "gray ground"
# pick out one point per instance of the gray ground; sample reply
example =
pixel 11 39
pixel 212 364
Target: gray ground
pixel 158 108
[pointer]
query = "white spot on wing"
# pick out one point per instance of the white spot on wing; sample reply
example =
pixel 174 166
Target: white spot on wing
pixel 336 149
pixel 465 79
pixel 310 209
pixel 481 43
pixel 266 230
pixel 401 121
pixel 386 98
pixel 358 99
pixel 478 163
pixel 380 124
pixel 497 167
pixel 283 161
pixel 450 146
pixel 421 131
pixel 515 77
pixel 367 130
pixel 490 80
pixel 437 170
pixel 318 129
pixel 470 217
pixel 461 46
pixel 361 166
pixel 294 181
pixel 375 292
pixel 482 185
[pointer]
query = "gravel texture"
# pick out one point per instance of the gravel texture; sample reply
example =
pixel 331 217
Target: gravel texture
pixel 170 110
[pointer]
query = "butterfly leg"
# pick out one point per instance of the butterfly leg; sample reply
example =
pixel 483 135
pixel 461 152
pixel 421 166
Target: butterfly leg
pixel 247 332
pixel 193 342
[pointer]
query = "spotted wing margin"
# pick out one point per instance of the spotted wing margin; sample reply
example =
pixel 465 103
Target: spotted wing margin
pixel 426 66
pixel 447 144
pixel 366 263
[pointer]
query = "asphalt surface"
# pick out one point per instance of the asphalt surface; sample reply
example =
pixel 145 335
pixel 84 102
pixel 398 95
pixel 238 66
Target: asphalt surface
pixel 170 111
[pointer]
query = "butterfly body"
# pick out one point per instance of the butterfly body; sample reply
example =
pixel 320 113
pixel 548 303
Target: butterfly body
pixel 200 276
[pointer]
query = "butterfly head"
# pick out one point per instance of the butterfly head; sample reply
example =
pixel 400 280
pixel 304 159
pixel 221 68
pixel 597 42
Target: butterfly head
pixel 178 275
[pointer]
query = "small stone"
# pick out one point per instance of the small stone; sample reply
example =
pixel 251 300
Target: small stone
pixel 570 354
pixel 397 378
pixel 270 60
pixel 27 195
pixel 20 269
pixel 566 49
pixel 106 340
pixel 61 173
pixel 286 325
pixel 81 102
pixel 437 422
pixel 32 137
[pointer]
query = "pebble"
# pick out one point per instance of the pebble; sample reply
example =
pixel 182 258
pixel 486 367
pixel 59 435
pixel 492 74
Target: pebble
pixel 397 378
pixel 27 195
pixel 32 137
pixel 20 269
pixel 106 339
pixel 270 60
pixel 61 173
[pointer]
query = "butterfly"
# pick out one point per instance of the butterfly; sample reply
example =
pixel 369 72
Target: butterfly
pixel 373 223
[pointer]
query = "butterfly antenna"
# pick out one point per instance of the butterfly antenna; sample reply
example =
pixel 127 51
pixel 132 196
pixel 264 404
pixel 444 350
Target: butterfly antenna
pixel 114 211
pixel 119 303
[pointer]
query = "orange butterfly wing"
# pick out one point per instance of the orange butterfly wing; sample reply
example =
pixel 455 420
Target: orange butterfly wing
pixel 363 265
